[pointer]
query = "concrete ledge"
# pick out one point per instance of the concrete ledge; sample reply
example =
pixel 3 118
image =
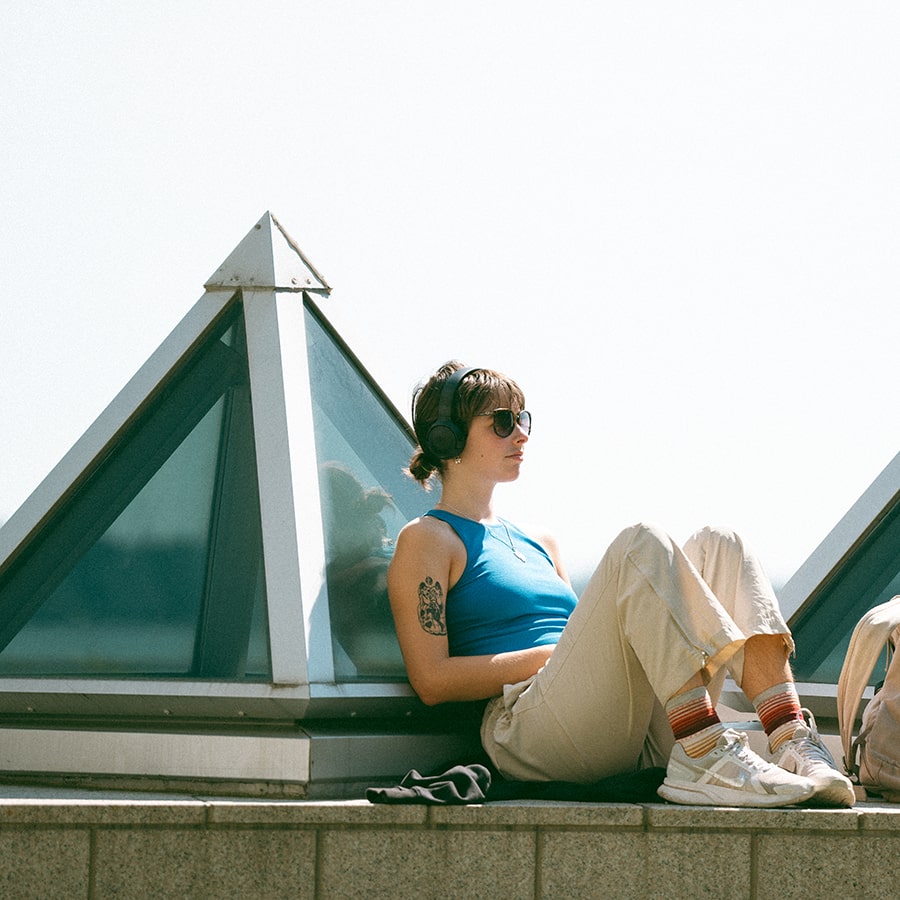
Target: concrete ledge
pixel 92 845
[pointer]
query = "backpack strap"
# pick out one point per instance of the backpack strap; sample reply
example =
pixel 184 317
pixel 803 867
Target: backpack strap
pixel 872 632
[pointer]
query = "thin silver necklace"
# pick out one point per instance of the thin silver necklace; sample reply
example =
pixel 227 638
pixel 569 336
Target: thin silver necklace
pixel 512 546
pixel 517 553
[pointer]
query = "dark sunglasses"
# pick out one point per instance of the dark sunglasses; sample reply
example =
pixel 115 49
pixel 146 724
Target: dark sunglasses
pixel 505 420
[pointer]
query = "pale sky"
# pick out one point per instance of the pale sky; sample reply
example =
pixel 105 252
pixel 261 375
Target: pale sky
pixel 674 223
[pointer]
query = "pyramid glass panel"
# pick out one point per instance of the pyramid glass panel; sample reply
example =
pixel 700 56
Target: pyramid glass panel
pixel 152 565
pixel 362 447
pixel 868 577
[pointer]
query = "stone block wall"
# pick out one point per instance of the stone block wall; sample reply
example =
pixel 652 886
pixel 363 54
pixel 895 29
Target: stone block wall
pixel 145 846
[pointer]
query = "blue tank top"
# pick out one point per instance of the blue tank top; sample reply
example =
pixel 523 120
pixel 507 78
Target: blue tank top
pixel 501 603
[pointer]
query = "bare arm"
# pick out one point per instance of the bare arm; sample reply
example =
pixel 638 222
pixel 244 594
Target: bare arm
pixel 427 561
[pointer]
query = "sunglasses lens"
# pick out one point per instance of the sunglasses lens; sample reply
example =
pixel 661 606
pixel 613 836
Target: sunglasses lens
pixel 504 422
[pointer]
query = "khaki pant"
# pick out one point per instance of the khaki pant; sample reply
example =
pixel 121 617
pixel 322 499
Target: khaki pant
pixel 651 617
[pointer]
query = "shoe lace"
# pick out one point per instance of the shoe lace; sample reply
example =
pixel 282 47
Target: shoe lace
pixel 739 745
pixel 810 746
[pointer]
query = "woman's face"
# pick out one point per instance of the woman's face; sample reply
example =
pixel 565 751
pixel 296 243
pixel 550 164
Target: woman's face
pixel 500 457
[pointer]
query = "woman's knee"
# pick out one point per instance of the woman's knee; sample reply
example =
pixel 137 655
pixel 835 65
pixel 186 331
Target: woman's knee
pixel 642 540
pixel 647 534
pixel 712 540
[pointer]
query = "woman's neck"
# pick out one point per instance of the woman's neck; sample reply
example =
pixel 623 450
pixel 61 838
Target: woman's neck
pixel 467 506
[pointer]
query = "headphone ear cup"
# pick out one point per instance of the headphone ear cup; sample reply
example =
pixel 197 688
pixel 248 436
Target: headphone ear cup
pixel 445 440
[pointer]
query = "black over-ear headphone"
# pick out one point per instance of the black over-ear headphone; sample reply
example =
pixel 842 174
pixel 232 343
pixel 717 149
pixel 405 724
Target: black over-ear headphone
pixel 445 438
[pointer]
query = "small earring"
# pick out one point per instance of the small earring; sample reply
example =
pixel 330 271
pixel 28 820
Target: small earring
pixel 457 460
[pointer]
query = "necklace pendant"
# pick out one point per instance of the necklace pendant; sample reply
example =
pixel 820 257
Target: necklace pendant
pixel 509 542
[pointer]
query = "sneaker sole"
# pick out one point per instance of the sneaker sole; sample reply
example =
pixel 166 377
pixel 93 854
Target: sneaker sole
pixel 835 794
pixel 710 795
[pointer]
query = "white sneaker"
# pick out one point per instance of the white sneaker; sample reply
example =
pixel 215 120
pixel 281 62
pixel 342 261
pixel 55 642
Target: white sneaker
pixel 731 774
pixel 805 754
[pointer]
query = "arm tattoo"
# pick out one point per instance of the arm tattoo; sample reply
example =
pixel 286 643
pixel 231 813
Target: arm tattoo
pixel 431 607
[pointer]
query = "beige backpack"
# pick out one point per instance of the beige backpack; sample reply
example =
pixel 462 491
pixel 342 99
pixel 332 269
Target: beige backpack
pixel 874 757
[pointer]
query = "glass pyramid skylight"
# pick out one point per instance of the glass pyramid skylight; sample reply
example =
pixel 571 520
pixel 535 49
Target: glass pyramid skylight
pixel 216 543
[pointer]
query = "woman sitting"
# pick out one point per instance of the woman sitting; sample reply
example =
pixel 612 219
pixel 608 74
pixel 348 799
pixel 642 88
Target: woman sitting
pixel 624 677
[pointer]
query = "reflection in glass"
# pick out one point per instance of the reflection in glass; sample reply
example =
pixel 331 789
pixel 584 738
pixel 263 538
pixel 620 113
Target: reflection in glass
pixel 362 447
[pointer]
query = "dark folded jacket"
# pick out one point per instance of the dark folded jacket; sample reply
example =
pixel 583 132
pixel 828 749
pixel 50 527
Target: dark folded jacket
pixel 476 783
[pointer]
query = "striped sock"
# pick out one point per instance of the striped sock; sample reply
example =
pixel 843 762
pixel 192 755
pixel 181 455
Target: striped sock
pixel 694 721
pixel 778 708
